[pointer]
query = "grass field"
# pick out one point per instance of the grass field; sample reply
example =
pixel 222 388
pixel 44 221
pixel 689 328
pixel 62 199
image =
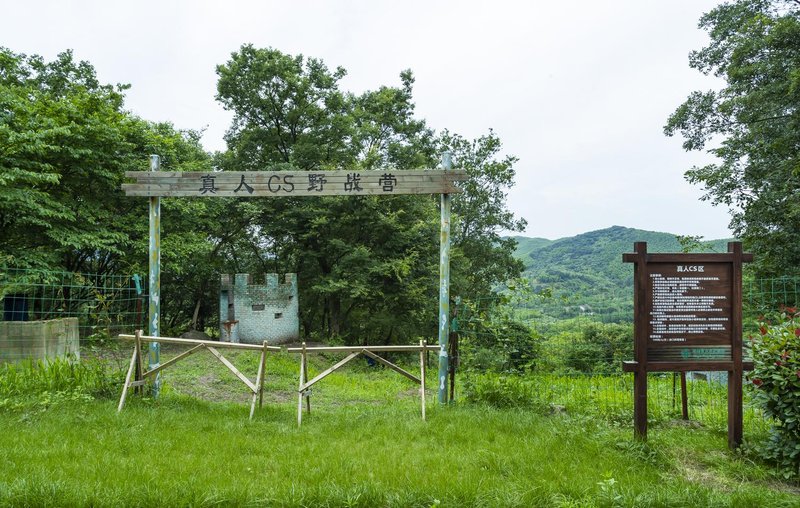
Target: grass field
pixel 364 444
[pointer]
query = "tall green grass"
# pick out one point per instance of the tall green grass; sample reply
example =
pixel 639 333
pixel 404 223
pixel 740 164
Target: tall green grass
pixel 364 444
pixel 34 377
pixel 183 452
pixel 611 398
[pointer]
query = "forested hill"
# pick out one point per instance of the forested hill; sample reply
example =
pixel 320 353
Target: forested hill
pixel 586 272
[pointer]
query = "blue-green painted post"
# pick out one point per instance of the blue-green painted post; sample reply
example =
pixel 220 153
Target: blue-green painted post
pixel 154 308
pixel 444 286
pixel 138 282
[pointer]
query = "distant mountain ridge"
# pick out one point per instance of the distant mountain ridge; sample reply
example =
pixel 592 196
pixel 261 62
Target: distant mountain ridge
pixel 586 271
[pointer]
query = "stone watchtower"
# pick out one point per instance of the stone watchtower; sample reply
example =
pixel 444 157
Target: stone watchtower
pixel 253 313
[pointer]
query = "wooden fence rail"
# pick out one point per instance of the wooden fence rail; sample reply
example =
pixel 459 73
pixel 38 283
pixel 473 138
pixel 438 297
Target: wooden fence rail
pixel 136 376
pixel 305 385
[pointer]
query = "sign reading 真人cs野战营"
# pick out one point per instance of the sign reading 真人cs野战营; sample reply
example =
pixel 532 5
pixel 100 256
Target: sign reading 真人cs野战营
pixel 293 183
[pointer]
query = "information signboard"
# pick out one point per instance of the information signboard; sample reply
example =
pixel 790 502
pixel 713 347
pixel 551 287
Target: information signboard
pixel 689 309
pixel 688 317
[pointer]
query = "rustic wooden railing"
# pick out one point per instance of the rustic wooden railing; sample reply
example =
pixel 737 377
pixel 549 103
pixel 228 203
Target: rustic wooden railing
pixel 136 376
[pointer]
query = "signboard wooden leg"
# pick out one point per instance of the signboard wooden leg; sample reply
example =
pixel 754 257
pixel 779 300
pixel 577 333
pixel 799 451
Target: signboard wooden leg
pixel 684 398
pixel 735 413
pixel 640 403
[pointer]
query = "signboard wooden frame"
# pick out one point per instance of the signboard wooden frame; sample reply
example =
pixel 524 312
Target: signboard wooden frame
pixel 688 317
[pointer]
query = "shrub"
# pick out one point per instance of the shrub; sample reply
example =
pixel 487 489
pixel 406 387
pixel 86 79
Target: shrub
pixel 502 391
pixel 776 379
pixel 500 346
pixel 600 349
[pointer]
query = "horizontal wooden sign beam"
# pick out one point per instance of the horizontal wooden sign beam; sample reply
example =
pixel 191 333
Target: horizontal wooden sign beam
pixel 293 183
pixel 633 366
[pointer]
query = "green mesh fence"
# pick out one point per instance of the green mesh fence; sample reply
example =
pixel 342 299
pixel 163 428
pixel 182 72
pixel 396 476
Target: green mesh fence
pixel 763 298
pixel 576 362
pixel 103 305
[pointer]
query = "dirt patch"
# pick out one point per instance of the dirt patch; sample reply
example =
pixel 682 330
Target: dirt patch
pixel 687 424
pixel 697 473
pixel 210 386
pixel 279 396
pixel 414 393
pixel 783 487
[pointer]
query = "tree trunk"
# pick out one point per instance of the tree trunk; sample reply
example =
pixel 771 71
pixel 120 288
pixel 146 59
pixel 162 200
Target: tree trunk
pixel 334 316
pixel 196 312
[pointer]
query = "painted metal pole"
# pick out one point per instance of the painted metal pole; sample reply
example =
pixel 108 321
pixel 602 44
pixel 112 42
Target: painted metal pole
pixel 154 251
pixel 444 286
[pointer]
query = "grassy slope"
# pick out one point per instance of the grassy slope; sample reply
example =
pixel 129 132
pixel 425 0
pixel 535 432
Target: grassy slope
pixel 363 445
pixel 526 246
pixel 601 251
pixel 587 269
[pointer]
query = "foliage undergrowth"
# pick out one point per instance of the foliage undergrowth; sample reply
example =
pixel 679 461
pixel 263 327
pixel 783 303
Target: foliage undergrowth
pixel 46 382
pixel 776 378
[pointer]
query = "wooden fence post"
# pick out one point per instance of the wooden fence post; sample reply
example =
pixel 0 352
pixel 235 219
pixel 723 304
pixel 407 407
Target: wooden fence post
pixel 300 385
pixel 259 380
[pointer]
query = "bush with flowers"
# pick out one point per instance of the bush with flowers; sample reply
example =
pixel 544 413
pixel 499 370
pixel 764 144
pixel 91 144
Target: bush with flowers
pixel 776 379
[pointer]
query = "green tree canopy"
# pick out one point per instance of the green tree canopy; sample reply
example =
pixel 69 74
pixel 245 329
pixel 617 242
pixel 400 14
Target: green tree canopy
pixel 62 149
pixel 367 267
pixel 486 258
pixel 753 122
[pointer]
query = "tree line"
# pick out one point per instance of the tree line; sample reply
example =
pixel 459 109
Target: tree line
pixel 751 125
pixel 367 267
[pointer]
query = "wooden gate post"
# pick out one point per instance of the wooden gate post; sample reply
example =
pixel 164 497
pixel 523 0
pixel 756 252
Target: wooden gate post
pixel 154 280
pixel 444 286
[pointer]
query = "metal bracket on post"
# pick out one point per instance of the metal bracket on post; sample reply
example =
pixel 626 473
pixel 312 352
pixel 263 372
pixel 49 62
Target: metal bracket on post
pixel 154 251
pixel 444 286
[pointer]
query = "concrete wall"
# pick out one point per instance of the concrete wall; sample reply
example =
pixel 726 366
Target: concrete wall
pixel 253 313
pixel 39 340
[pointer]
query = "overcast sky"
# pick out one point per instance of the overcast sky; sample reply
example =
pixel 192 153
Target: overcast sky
pixel 579 91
